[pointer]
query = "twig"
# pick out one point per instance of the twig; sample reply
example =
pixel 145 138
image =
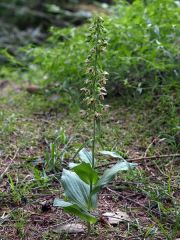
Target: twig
pixel 7 168
pixel 127 198
pixel 146 152
pixel 65 148
pixel 79 149
pixel 141 158
pixel 150 145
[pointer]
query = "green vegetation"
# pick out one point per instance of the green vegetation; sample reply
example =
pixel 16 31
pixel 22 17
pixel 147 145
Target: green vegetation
pixel 43 130
pixel 142 52
pixel 142 60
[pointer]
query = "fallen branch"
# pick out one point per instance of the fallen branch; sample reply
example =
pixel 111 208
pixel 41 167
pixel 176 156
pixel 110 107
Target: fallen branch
pixel 142 158
pixel 127 198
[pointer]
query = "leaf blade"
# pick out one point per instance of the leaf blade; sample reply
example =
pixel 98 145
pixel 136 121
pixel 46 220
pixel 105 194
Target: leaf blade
pixel 86 156
pixel 86 173
pixel 75 189
pixel 110 173
pixel 111 154
pixel 74 209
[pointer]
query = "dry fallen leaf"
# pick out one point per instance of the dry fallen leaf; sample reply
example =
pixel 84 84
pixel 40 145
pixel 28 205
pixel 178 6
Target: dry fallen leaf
pixel 4 218
pixel 116 217
pixel 70 228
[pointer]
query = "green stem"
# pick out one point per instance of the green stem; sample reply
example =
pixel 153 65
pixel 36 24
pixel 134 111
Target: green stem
pixel 93 153
pixel 94 94
pixel 89 229
pixel 94 105
pixel 94 141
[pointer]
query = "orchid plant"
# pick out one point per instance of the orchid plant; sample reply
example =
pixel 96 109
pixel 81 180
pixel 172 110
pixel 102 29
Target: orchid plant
pixel 82 182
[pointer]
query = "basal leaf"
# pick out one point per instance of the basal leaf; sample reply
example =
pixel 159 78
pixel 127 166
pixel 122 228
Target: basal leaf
pixel 85 155
pixel 111 154
pixel 74 209
pixel 110 173
pixel 75 189
pixel 61 203
pixel 72 165
pixel 86 173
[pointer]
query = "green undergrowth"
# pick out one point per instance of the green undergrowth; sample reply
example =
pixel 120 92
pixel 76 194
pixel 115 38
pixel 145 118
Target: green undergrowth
pixel 142 50
pixel 29 118
pixel 142 60
pixel 34 128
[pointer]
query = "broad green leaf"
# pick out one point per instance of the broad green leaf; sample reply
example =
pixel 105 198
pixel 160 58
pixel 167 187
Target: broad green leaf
pixel 94 200
pixel 86 173
pixel 74 209
pixel 110 173
pixel 61 203
pixel 75 189
pixel 72 165
pixel 86 156
pixel 111 154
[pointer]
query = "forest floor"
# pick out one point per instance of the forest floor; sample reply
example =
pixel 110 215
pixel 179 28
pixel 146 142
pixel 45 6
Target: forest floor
pixel 31 123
